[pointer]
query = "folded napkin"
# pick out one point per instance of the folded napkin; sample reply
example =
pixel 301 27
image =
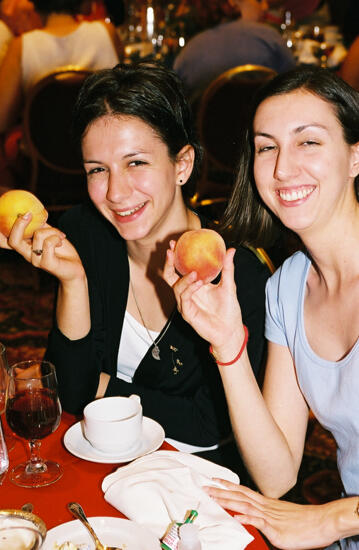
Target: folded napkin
pixel 161 487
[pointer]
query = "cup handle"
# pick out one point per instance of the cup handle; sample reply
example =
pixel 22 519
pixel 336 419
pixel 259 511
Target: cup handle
pixel 136 397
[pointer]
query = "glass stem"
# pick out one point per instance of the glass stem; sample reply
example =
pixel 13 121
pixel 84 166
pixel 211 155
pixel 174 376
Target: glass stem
pixel 35 465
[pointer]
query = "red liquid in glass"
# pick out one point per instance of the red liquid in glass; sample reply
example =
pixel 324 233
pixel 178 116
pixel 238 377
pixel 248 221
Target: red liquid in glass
pixel 33 414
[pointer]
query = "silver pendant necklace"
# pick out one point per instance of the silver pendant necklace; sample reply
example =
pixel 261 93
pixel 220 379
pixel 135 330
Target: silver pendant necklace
pixel 155 352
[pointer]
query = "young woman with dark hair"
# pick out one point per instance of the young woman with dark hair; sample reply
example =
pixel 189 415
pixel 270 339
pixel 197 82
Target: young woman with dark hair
pixel 117 330
pixel 299 164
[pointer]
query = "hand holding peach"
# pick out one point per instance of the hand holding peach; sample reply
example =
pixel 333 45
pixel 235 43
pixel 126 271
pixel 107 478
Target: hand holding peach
pixel 212 310
pixel 48 248
pixel 17 202
pixel 200 250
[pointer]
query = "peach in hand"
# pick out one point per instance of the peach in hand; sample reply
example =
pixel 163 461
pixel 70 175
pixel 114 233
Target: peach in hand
pixel 17 202
pixel 200 250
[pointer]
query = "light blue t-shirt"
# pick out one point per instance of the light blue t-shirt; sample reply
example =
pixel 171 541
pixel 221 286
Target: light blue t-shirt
pixel 331 389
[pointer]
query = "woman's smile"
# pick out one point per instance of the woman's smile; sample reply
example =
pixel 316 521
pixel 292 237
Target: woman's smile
pixel 129 214
pixel 301 164
pixel 295 196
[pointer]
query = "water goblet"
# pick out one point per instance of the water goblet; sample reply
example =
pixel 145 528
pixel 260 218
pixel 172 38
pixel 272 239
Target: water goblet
pixel 24 538
pixel 33 411
pixel 4 375
pixel 21 530
pixel 4 459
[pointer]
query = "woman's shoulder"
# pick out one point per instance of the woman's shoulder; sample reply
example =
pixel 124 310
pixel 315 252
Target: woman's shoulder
pixel 5 32
pixel 296 263
pixel 99 25
pixel 290 275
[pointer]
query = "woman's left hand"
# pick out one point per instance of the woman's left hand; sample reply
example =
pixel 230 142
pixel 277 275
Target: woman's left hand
pixel 211 309
pixel 285 524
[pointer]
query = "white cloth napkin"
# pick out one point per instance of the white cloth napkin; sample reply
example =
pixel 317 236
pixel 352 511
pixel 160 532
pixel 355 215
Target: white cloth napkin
pixel 163 486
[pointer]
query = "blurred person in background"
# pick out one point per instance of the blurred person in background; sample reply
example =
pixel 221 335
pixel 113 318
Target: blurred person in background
pixel 20 16
pixel 235 36
pixel 61 42
pixel 5 38
pixel 16 17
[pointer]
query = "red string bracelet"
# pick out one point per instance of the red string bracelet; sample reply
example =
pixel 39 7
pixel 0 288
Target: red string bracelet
pixel 246 334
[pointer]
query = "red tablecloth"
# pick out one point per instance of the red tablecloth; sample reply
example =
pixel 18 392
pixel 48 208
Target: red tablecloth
pixel 81 482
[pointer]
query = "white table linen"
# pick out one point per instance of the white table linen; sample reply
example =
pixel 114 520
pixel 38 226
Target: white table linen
pixel 162 487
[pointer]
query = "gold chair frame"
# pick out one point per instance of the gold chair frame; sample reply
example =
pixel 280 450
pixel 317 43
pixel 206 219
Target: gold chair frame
pixel 252 74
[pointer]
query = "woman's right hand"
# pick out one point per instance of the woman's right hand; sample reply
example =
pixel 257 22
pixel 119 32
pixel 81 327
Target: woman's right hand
pixel 287 524
pixel 211 309
pixel 58 256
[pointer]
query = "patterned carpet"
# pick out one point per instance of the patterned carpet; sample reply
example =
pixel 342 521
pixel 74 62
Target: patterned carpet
pixel 26 298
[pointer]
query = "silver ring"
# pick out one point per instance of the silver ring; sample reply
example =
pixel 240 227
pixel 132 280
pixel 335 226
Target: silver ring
pixel 37 251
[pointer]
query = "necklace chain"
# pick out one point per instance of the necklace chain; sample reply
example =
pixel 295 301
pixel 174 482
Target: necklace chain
pixel 155 349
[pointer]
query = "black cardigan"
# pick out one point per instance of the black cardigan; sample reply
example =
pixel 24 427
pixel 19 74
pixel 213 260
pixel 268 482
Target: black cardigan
pixel 188 401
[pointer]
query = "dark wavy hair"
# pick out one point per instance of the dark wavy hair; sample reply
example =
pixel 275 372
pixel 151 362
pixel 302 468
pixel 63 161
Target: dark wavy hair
pixel 46 7
pixel 247 220
pixel 148 91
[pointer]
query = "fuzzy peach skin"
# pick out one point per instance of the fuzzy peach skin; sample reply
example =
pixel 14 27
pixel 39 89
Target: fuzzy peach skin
pixel 17 202
pixel 200 250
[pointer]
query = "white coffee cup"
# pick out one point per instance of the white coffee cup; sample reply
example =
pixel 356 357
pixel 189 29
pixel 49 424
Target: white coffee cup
pixel 114 424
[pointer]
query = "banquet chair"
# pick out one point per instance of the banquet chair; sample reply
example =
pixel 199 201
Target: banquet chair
pixel 211 208
pixel 221 118
pixel 57 176
pixel 263 257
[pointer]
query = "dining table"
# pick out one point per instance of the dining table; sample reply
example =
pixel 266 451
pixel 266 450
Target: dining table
pixel 81 482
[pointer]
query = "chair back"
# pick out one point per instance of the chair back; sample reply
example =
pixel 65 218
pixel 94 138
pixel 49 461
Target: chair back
pixel 263 257
pixel 223 112
pixel 57 176
pixel 212 208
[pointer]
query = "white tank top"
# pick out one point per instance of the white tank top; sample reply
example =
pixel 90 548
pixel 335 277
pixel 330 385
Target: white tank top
pixel 88 47
pixel 134 345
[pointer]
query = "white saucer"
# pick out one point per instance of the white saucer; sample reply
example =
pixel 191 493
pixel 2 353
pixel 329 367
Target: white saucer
pixel 111 531
pixel 152 438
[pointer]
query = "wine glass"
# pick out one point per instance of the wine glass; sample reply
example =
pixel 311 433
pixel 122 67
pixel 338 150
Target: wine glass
pixel 4 375
pixel 33 411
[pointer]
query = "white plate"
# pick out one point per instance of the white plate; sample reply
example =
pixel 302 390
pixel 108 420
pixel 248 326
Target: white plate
pixel 119 532
pixel 152 438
